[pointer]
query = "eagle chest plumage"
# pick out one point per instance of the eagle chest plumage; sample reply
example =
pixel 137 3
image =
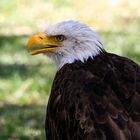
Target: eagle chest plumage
pixel 95 100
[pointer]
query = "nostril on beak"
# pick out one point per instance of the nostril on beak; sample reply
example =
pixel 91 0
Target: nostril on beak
pixel 40 37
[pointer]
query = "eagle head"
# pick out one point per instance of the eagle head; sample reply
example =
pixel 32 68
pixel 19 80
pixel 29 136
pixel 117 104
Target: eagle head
pixel 66 42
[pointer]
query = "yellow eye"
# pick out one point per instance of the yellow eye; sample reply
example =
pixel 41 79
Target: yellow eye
pixel 60 38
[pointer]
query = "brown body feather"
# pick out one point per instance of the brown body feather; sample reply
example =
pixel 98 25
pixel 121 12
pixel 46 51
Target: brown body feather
pixel 95 100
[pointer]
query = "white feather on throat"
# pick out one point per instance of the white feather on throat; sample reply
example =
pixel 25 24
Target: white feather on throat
pixel 81 43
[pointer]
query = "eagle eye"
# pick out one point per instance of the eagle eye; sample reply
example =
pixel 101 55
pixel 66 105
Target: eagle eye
pixel 60 38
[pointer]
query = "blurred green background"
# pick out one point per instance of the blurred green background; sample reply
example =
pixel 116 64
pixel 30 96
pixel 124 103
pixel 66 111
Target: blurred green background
pixel 25 80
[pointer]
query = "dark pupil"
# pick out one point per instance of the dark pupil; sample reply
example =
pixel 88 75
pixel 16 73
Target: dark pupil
pixel 60 38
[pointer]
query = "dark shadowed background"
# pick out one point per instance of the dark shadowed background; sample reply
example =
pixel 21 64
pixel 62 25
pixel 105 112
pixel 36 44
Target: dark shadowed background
pixel 25 80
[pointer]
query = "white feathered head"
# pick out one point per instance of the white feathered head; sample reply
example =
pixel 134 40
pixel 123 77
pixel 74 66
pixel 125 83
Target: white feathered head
pixel 66 42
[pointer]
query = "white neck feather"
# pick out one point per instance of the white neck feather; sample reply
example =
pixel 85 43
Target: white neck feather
pixel 61 58
pixel 79 55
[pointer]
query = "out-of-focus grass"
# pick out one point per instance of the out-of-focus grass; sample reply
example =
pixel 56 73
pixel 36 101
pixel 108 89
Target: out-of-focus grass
pixel 123 43
pixel 22 122
pixel 25 80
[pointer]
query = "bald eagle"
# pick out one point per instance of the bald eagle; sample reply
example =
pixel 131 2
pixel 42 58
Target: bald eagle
pixel 95 94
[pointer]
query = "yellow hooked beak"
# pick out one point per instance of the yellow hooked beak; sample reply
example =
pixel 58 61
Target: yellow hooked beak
pixel 40 43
